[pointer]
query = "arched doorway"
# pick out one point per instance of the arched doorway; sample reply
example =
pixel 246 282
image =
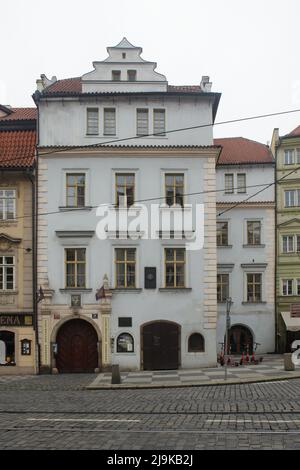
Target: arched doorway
pixel 76 347
pixel 161 345
pixel 240 340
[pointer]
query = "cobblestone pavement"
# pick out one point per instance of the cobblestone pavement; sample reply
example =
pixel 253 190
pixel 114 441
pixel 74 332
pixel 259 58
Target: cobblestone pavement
pixel 57 412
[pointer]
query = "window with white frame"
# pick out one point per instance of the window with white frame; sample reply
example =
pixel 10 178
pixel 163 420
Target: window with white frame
pixel 241 182
pixel 253 232
pixel 142 121
pixel 298 286
pixel 7 204
pixel 254 287
pixel 7 273
pixel 289 157
pixel 288 243
pixel 287 286
pixel 92 121
pixel 298 155
pixel 109 121
pixel 229 183
pixel 159 121
pixel 292 198
pixel 298 243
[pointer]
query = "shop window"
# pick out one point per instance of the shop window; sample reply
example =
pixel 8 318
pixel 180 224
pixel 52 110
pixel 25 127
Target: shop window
pixel 196 343
pixel 125 343
pixel 7 348
pixel 26 347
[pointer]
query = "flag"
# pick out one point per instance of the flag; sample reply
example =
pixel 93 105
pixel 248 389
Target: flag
pixel 100 294
pixel 40 295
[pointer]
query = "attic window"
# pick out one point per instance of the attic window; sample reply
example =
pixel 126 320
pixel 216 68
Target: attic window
pixel 116 75
pixel 131 75
pixel 123 55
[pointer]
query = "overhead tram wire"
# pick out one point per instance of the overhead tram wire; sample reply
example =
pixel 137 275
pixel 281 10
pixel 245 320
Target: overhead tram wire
pixel 103 144
pixel 267 185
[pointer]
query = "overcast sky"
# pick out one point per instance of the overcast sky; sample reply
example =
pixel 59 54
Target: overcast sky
pixel 250 50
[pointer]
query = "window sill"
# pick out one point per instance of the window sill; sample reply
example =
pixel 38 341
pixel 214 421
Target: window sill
pixel 127 290
pixel 8 221
pixel 175 289
pixel 75 209
pixel 75 289
pixel 9 292
pixel 254 303
pixel 261 245
pixel 224 246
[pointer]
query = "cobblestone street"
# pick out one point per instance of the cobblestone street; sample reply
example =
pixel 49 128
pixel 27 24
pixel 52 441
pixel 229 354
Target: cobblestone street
pixel 57 412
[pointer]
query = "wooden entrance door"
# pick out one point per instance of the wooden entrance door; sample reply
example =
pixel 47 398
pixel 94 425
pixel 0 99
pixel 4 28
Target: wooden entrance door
pixel 76 347
pixel 240 340
pixel 161 346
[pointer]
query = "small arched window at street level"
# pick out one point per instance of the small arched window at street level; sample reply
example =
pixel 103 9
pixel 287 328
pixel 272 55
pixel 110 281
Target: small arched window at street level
pixel 125 343
pixel 196 343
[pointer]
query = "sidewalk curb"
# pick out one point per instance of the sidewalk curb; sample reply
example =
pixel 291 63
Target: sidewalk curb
pixel 207 383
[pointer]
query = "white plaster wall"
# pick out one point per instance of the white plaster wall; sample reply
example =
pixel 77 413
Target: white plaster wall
pixel 64 122
pixel 185 308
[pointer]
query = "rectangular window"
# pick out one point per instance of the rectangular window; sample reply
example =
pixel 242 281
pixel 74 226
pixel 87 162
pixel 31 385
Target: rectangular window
pixel 222 233
pixel 75 190
pixel 298 286
pixel 109 121
pixel 125 264
pixel 253 233
pixel 229 183
pixel 298 155
pixel 241 182
pixel 131 75
pixel 142 121
pixel 222 287
pixel 92 121
pixel 116 75
pixel 287 286
pixel 7 204
pixel 289 157
pixel 7 273
pixel 174 267
pixel 298 243
pixel 159 121
pixel 254 287
pixel 75 266
pixel 288 243
pixel 174 188
pixel 290 198
pixel 125 189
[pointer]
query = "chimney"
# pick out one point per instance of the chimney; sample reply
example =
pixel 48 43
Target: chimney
pixel 44 82
pixel 205 84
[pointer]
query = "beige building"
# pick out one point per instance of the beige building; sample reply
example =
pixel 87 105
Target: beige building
pixel 17 161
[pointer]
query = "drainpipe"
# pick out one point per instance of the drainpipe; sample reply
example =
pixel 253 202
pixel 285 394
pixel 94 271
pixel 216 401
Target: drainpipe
pixel 32 178
pixel 276 256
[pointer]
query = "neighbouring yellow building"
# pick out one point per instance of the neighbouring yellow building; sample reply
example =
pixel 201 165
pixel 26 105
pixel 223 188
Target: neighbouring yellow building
pixel 17 294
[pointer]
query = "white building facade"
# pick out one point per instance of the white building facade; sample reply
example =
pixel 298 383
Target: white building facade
pixel 246 245
pixel 142 303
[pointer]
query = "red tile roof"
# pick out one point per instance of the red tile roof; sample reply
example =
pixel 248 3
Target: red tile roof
pixel 20 114
pixel 238 150
pixel 17 148
pixel 74 85
pixel 294 133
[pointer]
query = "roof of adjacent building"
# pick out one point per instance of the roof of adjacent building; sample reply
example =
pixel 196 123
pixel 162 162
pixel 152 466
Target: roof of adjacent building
pixel 240 151
pixel 18 114
pixel 294 133
pixel 17 137
pixel 73 86
pixel 17 149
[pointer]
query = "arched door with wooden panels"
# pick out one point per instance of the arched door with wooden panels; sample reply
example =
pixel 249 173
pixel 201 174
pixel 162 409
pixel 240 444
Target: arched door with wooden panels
pixel 76 347
pixel 161 346
pixel 240 339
